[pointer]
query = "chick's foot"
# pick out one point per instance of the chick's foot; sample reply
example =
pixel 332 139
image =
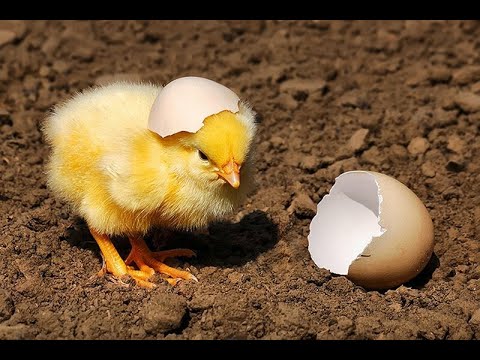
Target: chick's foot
pixel 113 263
pixel 147 260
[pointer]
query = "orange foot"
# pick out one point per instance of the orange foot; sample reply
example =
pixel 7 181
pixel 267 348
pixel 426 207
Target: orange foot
pixel 146 261
pixel 149 262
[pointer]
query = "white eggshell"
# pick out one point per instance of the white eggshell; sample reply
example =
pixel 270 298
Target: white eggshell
pixel 183 105
pixel 373 229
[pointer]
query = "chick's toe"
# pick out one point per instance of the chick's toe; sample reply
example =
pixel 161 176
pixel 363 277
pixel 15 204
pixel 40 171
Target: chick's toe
pixel 114 264
pixel 146 259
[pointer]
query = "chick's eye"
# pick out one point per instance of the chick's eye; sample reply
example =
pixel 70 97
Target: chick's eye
pixel 202 156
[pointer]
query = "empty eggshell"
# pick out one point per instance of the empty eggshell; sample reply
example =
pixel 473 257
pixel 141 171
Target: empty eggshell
pixel 183 105
pixel 373 229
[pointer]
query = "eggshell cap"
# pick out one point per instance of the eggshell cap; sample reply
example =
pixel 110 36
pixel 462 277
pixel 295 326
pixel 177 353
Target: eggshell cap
pixel 405 248
pixel 183 105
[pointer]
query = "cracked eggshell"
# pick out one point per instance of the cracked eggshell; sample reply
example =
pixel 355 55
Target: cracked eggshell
pixel 373 229
pixel 183 105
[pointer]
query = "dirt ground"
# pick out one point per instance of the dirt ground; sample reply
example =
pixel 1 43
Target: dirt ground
pixel 398 97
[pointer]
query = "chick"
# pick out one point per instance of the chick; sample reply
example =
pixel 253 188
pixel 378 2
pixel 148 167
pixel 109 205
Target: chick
pixel 124 179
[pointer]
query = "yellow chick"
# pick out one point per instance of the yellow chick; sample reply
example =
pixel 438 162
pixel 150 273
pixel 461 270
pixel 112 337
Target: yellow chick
pixel 123 179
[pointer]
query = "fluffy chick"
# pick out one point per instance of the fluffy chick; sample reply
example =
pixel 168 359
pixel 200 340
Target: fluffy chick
pixel 123 179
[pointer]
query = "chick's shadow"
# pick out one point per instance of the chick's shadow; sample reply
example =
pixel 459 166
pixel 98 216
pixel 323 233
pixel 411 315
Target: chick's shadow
pixel 229 244
pixel 224 244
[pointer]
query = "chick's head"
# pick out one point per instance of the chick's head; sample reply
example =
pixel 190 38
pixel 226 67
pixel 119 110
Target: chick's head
pixel 218 156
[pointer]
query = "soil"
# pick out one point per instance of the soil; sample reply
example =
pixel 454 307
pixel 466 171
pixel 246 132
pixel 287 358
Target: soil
pixel 398 97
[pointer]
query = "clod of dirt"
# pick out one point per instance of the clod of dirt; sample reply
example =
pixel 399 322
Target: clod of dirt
pixel 6 306
pixel 455 144
pixel 466 75
pixel 11 30
pixel 418 146
pixel 468 102
pixel 5 118
pixel 302 206
pixel 428 169
pixel 475 319
pixel 164 313
pixel 357 141
pixel 6 37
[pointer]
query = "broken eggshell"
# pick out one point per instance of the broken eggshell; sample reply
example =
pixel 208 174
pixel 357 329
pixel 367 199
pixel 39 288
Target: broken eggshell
pixel 184 103
pixel 373 229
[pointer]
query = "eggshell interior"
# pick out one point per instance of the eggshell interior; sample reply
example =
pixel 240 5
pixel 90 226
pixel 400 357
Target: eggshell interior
pixel 183 105
pixel 373 229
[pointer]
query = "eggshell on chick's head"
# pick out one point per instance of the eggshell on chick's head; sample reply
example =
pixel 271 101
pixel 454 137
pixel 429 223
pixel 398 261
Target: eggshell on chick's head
pixel 183 105
pixel 373 229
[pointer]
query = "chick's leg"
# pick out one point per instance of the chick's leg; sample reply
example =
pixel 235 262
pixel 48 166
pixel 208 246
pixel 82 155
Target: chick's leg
pixel 146 259
pixel 116 266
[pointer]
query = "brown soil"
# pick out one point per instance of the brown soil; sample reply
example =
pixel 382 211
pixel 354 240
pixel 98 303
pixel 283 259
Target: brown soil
pixel 399 97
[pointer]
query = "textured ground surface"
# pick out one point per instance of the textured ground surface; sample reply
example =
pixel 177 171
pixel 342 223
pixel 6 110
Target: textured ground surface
pixel 402 98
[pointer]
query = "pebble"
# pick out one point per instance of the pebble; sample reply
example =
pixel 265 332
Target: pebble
pixel 351 99
pixel 44 71
pixel 5 118
pixel 11 30
pixel 399 151
pixel 466 75
pixel 456 163
pixel 163 313
pixel 428 169
pixel 60 67
pixel 309 163
pixel 455 144
pixel 468 102
pixel 6 37
pixel 439 74
pixel 6 305
pixel 475 319
pixel 372 156
pixel 418 145
pixel 303 206
pixel 307 85
pixel 357 141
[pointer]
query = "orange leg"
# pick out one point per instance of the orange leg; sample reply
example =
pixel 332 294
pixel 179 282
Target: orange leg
pixel 116 266
pixel 147 260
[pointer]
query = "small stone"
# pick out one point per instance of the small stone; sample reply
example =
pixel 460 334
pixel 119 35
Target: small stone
pixel 302 206
pixel 6 305
pixel 476 88
pixel 11 30
pixel 475 319
pixel 44 71
pixel 468 102
pixel 417 77
pixel 418 145
pixel 61 67
pixel 163 313
pixel 235 277
pixel 288 102
pixel 455 144
pixel 352 99
pixel 50 45
pixel 84 53
pixel 357 141
pixel 307 85
pixel 466 75
pixel 5 118
pixel 372 156
pixel 6 37
pixel 309 163
pixel 278 143
pixel 399 151
pixel 428 169
pixel 439 74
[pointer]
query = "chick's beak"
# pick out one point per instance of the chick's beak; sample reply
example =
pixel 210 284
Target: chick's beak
pixel 231 174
